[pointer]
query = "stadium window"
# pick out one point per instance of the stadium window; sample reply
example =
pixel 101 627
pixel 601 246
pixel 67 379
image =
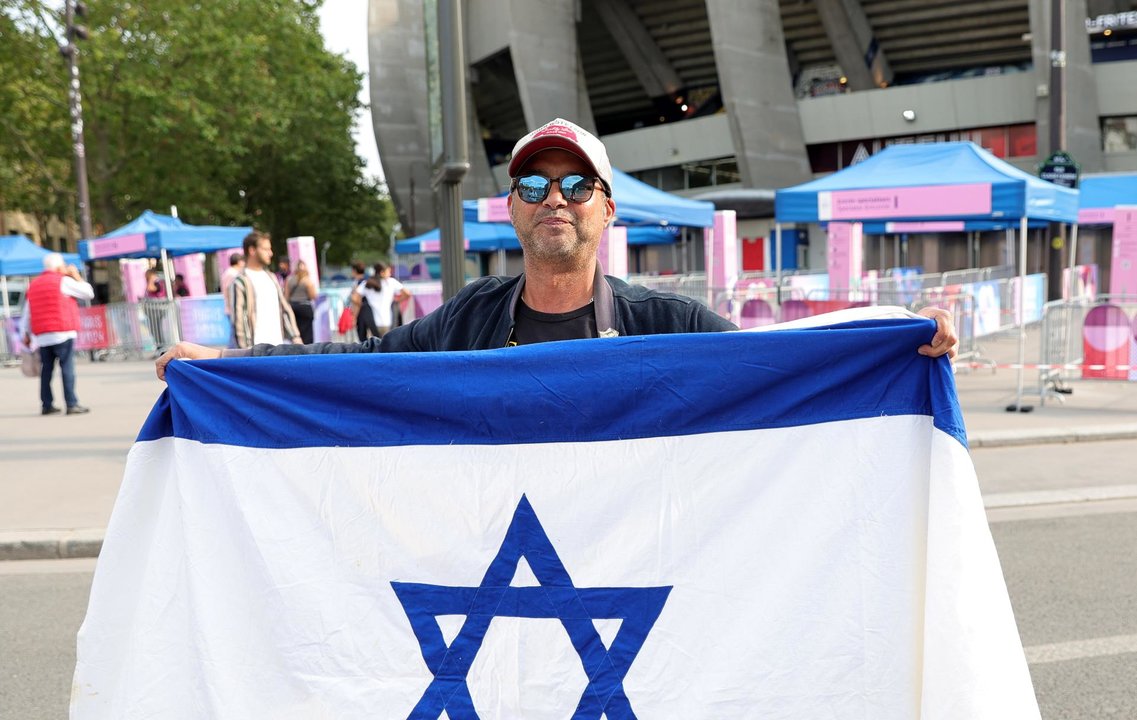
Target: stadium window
pixel 1119 134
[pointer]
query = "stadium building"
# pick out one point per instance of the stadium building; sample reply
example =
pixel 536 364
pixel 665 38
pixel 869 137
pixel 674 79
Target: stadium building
pixel 729 100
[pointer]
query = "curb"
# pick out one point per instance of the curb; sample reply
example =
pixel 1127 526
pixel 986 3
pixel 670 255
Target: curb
pixel 1033 498
pixel 50 544
pixel 1016 438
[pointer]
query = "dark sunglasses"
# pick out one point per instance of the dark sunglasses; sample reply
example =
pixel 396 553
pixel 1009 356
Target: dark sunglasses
pixel 574 188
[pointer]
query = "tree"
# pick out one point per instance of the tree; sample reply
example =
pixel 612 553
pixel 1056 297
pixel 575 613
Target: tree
pixel 232 110
pixel 36 171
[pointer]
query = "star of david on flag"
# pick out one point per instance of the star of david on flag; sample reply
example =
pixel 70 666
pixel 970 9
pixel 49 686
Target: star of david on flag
pixel 733 525
pixel 555 597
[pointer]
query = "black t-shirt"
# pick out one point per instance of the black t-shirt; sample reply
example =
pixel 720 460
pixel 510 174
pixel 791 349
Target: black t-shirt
pixel 531 327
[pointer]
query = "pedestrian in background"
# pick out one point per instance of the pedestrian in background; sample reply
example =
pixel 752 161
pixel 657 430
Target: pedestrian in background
pixel 261 313
pixel 155 288
pixel 180 287
pixel 51 320
pixel 362 310
pixel 236 265
pixel 301 293
pixel 282 271
pixel 380 292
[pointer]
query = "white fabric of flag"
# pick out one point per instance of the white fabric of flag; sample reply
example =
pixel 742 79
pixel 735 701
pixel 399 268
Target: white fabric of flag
pixel 733 525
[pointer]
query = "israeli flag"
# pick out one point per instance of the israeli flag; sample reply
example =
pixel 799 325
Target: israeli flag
pixel 735 525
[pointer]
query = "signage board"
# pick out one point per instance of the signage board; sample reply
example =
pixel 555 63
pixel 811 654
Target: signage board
pixel 1060 169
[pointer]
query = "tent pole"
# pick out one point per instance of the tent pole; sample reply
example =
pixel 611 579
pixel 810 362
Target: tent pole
pixel 170 295
pixel 1073 261
pixel 4 293
pixel 778 264
pixel 1018 406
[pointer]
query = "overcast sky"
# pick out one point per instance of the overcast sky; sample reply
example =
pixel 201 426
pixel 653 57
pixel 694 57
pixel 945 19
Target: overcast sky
pixel 344 24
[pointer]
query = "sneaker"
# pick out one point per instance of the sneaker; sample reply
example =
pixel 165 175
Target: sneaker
pixel 49 411
pixel 77 410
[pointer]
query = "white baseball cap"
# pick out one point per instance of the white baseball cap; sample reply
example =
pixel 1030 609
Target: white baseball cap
pixel 564 135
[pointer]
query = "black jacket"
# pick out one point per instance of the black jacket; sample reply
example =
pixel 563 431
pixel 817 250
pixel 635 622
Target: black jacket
pixel 480 317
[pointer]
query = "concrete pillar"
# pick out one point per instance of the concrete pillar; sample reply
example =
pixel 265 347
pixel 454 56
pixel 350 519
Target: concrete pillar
pixel 1083 129
pixel 400 114
pixel 854 44
pixel 755 82
pixel 546 62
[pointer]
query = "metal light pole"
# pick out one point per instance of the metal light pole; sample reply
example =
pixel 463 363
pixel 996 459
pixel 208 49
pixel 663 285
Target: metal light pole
pixel 73 9
pixel 1057 132
pixel 455 155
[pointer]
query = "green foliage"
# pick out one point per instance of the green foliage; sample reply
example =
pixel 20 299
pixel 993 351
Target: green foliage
pixel 232 110
pixel 36 168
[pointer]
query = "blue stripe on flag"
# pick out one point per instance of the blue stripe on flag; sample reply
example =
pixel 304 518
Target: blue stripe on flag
pixel 581 390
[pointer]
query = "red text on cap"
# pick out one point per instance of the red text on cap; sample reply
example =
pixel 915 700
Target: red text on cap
pixel 561 130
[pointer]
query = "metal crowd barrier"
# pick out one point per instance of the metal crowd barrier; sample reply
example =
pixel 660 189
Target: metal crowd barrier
pixel 7 351
pixel 1066 345
pixel 139 330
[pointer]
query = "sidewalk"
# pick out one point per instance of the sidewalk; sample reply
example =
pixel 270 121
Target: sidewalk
pixel 59 475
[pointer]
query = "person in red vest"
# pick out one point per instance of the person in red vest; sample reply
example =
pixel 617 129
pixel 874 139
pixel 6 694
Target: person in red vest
pixel 51 319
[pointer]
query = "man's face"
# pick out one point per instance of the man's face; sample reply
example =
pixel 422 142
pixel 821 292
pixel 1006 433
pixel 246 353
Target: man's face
pixel 264 252
pixel 555 230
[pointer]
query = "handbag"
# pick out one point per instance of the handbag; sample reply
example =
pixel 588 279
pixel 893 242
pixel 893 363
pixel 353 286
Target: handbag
pixel 30 364
pixel 347 320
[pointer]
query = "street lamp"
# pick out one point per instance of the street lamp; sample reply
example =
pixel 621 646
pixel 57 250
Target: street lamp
pixel 72 10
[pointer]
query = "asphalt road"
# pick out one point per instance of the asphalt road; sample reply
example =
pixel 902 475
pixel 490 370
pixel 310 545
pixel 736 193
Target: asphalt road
pixel 42 603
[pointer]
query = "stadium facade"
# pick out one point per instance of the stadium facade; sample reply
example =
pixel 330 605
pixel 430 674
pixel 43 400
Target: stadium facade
pixel 729 100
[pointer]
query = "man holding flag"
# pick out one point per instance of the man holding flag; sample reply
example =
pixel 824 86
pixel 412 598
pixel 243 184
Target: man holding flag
pixel 674 522
pixel 560 202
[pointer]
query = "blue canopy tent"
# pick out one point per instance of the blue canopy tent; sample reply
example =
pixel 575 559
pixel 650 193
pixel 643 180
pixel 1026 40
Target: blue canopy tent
pixel 151 235
pixel 1103 193
pixel 21 256
pixel 1012 194
pixel 929 182
pixel 480 237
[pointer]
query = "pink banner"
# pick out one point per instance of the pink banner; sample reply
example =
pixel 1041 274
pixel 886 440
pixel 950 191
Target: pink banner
pixel 221 258
pixel 134 279
pixel 493 209
pixel 921 201
pixel 613 251
pixel 304 248
pixel 720 248
pixel 1095 216
pixel 93 328
pixel 1123 259
pixel 433 246
pixel 192 270
pixel 109 247
pixel 929 227
pixel 845 256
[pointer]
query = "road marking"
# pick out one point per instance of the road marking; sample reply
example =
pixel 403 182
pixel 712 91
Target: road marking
pixel 1065 495
pixel 1081 649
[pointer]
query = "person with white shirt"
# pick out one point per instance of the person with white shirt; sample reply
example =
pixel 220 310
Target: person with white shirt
pixel 51 319
pixel 379 292
pixel 260 313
